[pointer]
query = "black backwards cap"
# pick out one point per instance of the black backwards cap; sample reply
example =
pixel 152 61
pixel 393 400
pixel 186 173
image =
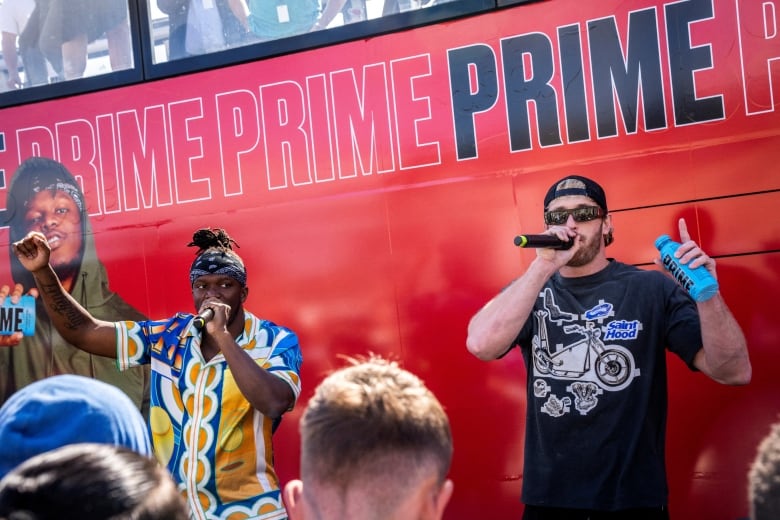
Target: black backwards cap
pixel 576 185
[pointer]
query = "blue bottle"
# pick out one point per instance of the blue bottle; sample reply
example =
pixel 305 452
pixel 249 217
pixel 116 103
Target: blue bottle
pixel 698 282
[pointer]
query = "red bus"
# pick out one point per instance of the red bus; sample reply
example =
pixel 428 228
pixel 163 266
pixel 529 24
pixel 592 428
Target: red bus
pixel 375 174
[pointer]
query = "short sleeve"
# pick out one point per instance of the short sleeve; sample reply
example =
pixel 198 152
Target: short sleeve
pixel 286 359
pixel 131 345
pixel 683 326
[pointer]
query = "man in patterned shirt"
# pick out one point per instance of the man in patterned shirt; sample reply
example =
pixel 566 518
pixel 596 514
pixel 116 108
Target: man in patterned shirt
pixel 217 388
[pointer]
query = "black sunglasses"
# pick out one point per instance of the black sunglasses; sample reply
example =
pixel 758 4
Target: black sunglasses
pixel 559 217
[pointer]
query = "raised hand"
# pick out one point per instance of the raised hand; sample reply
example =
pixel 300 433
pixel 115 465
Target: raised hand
pixel 33 251
pixel 690 253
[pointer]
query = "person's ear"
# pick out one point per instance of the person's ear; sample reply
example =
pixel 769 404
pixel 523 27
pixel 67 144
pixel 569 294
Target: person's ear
pixel 293 499
pixel 607 229
pixel 443 498
pixel 430 499
pixel 244 293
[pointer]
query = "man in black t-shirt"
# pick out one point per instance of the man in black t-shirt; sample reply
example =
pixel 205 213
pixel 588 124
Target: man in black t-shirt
pixel 593 333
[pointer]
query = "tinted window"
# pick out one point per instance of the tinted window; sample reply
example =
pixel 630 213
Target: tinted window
pixel 185 28
pixel 49 41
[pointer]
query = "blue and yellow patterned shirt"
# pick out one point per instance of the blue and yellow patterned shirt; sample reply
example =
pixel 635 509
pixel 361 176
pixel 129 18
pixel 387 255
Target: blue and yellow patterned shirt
pixel 214 443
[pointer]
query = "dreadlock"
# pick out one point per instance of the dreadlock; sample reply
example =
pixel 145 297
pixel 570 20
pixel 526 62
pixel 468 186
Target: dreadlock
pixel 215 255
pixel 207 238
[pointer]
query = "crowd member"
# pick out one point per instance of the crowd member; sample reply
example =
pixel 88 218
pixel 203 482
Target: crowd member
pixel 43 196
pixel 764 478
pixel 272 20
pixel 67 409
pixel 91 482
pixel 62 29
pixel 201 26
pixel 333 8
pixel 176 10
pixel 13 19
pixel 401 6
pixel 216 391
pixel 597 399
pixel 375 443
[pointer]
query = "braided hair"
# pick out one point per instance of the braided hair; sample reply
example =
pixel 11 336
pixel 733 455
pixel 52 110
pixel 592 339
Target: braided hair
pixel 207 238
pixel 215 255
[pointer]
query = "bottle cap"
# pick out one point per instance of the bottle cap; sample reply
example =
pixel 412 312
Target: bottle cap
pixel 660 241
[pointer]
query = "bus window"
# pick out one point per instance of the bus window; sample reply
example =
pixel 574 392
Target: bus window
pixel 198 26
pixel 48 41
pixel 195 27
pixel 341 12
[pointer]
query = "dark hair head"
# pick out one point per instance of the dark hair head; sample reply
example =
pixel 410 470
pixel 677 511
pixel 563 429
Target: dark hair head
pixel 34 175
pixel 90 482
pixel 207 238
pixel 215 255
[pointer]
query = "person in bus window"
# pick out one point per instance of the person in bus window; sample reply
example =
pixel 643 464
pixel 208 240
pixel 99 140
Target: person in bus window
pixel 13 18
pixel 764 478
pixel 351 11
pixel 593 333
pixel 62 29
pixel 273 19
pixel 375 443
pixel 43 196
pixel 401 6
pixel 218 387
pixel 177 26
pixel 201 26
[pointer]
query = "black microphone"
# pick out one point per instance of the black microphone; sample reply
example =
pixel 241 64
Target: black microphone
pixel 549 241
pixel 204 317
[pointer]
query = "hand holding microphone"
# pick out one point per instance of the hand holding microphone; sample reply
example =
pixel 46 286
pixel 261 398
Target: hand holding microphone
pixel 202 318
pixel 548 241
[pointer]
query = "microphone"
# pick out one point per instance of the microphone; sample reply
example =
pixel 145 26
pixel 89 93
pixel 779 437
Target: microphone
pixel 549 241
pixel 204 317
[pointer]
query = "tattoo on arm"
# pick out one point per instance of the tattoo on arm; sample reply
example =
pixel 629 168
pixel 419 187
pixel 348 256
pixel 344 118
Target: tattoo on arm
pixel 61 304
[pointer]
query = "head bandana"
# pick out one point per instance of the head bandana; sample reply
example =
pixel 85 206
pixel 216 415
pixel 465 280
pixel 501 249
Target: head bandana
pixel 56 183
pixel 214 261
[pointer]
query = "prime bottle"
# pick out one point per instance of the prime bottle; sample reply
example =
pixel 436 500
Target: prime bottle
pixel 699 283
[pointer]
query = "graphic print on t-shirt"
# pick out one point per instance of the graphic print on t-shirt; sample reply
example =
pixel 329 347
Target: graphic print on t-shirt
pixel 592 365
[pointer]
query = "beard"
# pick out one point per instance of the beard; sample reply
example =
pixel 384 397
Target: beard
pixel 589 249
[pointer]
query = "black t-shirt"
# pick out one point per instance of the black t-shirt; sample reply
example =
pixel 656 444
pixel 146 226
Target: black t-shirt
pixel 594 347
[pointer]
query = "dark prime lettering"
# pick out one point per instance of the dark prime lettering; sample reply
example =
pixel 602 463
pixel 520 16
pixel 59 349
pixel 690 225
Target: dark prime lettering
pixel 677 272
pixel 10 319
pixel 627 72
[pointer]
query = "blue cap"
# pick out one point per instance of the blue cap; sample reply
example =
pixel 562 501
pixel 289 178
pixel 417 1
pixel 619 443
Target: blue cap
pixel 67 409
